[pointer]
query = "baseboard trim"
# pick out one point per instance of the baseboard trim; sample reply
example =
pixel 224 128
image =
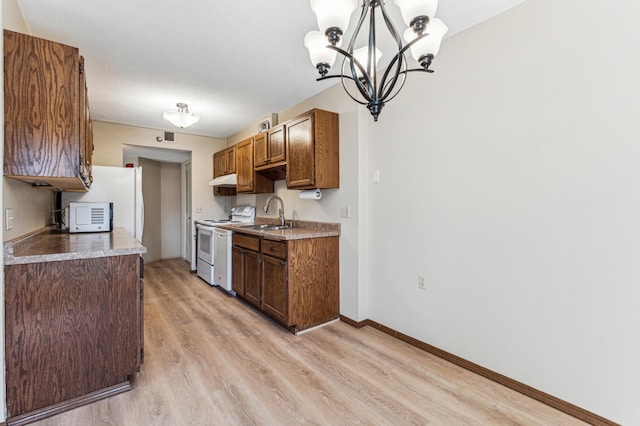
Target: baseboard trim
pixel 61 407
pixel 545 398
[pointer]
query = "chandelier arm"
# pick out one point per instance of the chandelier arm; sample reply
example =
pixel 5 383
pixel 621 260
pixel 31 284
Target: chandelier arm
pixel 364 83
pixel 365 5
pixel 372 72
pixel 349 93
pixel 416 70
pixel 398 58
pixel 326 77
pixel 404 80
pixel 352 61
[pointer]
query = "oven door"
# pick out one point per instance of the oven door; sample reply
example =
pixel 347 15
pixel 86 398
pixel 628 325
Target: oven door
pixel 205 243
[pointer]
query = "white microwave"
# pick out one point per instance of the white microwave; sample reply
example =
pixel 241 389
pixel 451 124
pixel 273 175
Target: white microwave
pixel 90 217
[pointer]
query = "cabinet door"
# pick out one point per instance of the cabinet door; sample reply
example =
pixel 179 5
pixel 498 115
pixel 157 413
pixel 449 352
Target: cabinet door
pixel 260 149
pixel 244 166
pixel 238 264
pixel 252 289
pixel 275 288
pixel 218 164
pixel 277 150
pixel 301 152
pixel 72 329
pixel 230 157
pixel 42 110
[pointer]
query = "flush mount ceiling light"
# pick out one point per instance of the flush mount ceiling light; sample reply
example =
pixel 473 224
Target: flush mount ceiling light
pixel 182 117
pixel 423 36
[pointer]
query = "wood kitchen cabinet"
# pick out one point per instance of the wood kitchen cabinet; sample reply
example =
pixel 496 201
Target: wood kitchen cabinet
pixel 224 162
pixel 270 153
pixel 275 280
pixel 248 180
pixel 47 127
pixel 73 332
pixel 295 282
pixel 312 142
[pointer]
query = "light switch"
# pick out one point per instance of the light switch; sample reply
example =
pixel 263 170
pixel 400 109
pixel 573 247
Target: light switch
pixel 8 222
pixel 376 176
pixel 345 211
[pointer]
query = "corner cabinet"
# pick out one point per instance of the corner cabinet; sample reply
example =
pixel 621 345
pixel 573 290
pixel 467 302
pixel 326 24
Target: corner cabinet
pixel 294 282
pixel 313 158
pixel 249 182
pixel 47 129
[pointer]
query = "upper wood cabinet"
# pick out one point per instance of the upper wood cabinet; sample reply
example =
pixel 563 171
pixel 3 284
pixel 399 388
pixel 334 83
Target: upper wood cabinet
pixel 313 159
pixel 224 162
pixel 47 130
pixel 270 147
pixel 248 181
pixel 261 149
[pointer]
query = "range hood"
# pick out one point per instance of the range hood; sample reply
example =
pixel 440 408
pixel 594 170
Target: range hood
pixel 226 180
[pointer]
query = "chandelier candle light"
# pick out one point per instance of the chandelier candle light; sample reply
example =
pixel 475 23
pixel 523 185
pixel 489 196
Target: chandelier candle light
pixel 423 37
pixel 182 117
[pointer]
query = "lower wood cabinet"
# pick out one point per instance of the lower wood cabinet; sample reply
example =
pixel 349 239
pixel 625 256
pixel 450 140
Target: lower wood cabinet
pixel 295 282
pixel 73 331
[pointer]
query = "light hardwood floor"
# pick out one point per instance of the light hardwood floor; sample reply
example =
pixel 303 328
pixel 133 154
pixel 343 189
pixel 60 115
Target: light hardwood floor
pixel 212 360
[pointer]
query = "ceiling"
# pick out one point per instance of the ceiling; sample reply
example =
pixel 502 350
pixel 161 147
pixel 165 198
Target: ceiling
pixel 233 62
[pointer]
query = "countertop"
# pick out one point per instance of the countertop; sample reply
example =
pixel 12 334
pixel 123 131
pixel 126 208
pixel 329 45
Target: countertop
pixel 49 245
pixel 300 230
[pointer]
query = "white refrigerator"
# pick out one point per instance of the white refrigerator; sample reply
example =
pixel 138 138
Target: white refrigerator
pixel 123 187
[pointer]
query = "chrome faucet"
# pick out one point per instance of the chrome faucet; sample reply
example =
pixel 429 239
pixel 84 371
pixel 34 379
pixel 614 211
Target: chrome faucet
pixel 280 211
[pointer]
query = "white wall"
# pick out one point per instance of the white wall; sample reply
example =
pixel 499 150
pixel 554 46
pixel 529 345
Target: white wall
pixel 519 157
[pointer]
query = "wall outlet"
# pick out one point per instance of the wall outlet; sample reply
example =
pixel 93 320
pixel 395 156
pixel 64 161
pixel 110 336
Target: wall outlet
pixel 8 219
pixel 422 282
pixel 199 210
pixel 345 211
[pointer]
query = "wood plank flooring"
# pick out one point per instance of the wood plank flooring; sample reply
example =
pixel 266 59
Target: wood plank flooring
pixel 212 360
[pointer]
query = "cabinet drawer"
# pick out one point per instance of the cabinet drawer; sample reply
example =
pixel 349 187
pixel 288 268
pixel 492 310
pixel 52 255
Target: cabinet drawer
pixel 274 248
pixel 246 241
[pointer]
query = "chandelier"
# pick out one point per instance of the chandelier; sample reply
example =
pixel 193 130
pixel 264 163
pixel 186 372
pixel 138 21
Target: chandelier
pixel 182 117
pixel 360 66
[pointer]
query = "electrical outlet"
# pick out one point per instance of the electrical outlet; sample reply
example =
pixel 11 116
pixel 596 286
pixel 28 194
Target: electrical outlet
pixel 422 282
pixel 345 211
pixel 199 209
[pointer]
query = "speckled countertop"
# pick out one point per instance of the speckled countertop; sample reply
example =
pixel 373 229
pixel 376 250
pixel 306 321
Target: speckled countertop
pixel 48 245
pixel 300 230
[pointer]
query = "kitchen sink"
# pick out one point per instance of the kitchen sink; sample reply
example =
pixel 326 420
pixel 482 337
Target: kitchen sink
pixel 257 227
pixel 267 227
pixel 277 227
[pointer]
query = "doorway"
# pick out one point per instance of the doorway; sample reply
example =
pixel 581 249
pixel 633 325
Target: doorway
pixel 165 194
